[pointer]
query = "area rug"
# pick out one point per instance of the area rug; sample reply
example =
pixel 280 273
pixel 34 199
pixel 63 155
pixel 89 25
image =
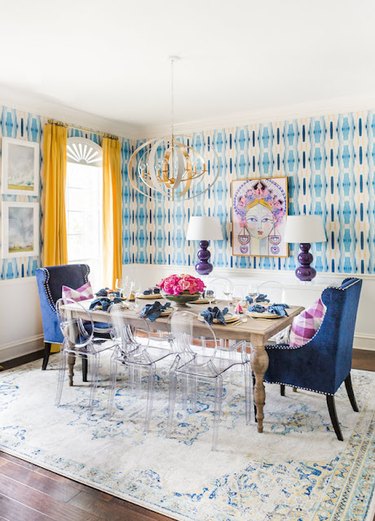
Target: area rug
pixel 296 470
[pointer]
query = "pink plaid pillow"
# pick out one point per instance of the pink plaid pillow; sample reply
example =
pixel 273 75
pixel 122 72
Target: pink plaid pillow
pixel 85 292
pixel 306 324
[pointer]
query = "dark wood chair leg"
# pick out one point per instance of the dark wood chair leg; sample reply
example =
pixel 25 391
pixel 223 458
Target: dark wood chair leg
pixel 282 389
pixel 84 368
pixel 349 390
pixel 47 352
pixel 333 416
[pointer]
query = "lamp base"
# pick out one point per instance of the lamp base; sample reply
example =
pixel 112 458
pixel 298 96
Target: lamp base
pixel 203 267
pixel 305 272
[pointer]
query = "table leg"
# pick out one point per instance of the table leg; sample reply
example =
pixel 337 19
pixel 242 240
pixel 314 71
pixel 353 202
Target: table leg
pixel 259 363
pixel 71 362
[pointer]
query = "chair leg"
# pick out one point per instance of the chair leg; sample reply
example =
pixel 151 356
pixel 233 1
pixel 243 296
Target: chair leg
pixel 333 416
pixel 217 410
pixel 150 396
pixel 172 401
pixel 282 389
pixel 349 390
pixel 47 352
pixel 84 368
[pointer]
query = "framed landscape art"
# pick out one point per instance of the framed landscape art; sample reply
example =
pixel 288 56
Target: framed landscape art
pixel 259 207
pixel 20 237
pixel 20 167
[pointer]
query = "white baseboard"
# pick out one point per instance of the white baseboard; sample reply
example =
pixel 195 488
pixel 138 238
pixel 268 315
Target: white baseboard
pixel 21 329
pixel 364 342
pixel 25 347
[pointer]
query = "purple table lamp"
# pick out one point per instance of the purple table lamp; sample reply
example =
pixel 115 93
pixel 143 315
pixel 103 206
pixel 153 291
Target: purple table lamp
pixel 305 229
pixel 204 229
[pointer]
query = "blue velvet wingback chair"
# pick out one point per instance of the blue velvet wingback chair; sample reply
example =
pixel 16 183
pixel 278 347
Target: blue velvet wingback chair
pixel 323 363
pixel 50 281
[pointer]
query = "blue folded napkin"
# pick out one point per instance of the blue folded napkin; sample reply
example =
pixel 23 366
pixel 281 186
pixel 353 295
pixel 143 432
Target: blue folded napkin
pixel 104 303
pixel 153 311
pixel 256 308
pixel 102 292
pixel 151 291
pixel 274 309
pixel 262 297
pixel 278 309
pixel 210 314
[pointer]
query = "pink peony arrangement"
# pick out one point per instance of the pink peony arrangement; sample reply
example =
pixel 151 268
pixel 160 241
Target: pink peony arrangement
pixel 177 284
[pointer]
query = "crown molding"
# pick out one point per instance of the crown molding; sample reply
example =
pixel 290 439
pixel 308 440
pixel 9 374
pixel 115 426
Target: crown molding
pixel 46 108
pixel 268 115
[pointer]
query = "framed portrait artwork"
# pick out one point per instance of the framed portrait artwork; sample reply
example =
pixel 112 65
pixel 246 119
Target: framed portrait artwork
pixel 20 237
pixel 20 167
pixel 260 207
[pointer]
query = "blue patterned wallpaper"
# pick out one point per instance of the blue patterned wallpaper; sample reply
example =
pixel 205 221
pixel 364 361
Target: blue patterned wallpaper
pixel 329 162
pixel 24 125
pixel 20 125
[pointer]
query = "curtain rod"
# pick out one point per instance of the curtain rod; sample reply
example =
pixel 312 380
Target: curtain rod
pixel 84 129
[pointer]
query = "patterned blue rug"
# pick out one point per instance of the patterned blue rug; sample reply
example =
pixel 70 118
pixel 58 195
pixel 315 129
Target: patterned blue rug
pixel 295 471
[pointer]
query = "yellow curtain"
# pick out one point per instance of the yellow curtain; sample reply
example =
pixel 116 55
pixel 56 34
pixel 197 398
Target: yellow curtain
pixel 112 218
pixel 55 249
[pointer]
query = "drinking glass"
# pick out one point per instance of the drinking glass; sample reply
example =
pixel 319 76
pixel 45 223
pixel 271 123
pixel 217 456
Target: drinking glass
pixel 210 295
pixel 121 285
pixel 238 296
pixel 253 292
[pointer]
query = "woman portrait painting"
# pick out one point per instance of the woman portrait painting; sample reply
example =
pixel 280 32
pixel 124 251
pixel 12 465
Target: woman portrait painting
pixel 259 215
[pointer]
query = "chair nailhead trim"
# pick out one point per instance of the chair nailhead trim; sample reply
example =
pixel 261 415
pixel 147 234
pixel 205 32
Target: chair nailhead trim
pixel 302 388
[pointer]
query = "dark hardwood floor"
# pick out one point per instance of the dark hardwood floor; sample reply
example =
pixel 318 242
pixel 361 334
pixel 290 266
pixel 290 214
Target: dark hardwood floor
pixel 30 493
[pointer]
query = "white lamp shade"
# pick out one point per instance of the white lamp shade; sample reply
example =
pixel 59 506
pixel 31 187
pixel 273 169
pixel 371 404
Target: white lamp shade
pixel 304 228
pixel 204 229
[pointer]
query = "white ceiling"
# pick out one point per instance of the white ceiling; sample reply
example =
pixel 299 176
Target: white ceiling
pixel 105 62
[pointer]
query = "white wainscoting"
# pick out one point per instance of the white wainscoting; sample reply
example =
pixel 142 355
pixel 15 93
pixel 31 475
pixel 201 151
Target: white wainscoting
pixel 295 292
pixel 20 319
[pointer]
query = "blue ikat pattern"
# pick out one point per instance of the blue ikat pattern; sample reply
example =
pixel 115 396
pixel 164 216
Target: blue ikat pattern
pixel 329 162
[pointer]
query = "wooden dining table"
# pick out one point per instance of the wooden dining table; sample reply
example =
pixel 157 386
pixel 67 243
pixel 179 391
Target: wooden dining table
pixel 256 331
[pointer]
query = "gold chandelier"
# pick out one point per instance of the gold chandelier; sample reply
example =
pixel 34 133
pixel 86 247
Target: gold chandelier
pixel 171 165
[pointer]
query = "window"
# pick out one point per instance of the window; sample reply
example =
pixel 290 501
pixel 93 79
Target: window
pixel 84 206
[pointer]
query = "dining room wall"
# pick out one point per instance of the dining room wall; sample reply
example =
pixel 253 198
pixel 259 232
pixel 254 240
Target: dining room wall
pixel 20 319
pixel 329 163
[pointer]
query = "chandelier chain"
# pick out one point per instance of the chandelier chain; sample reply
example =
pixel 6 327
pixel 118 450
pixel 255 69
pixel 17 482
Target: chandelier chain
pixel 172 95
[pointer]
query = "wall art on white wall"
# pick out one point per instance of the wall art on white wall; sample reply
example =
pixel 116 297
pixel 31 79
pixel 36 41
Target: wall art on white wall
pixel 260 208
pixel 20 167
pixel 20 236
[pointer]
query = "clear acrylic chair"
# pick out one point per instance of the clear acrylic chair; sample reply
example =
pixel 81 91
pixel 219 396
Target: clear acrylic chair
pixel 138 350
pixel 222 287
pixel 203 361
pixel 79 341
pixel 274 290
